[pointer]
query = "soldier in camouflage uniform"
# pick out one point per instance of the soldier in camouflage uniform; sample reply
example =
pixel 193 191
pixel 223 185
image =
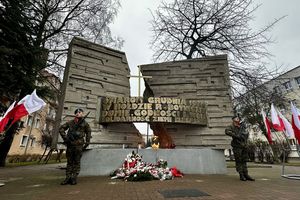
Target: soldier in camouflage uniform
pixel 77 139
pixel 239 136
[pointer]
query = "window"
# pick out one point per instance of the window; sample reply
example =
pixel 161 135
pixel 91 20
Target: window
pixel 51 113
pixel 298 80
pixel 33 140
pixel 45 127
pixel 29 120
pixel 24 140
pixel 37 123
pixel 287 85
pixel 22 124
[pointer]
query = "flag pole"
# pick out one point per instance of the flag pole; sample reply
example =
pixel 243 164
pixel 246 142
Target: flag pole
pixel 283 159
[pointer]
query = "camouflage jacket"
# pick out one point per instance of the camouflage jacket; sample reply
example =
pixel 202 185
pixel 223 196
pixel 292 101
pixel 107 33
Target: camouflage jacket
pixel 239 136
pixel 77 134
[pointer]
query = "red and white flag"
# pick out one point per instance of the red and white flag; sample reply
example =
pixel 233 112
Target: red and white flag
pixel 289 131
pixel 27 105
pixel 277 122
pixel 4 120
pixel 267 125
pixel 296 121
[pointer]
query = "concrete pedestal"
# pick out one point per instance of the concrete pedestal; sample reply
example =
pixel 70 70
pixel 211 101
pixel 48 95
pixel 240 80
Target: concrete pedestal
pixel 97 162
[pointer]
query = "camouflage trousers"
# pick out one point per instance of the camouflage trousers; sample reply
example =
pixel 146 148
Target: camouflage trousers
pixel 73 155
pixel 241 157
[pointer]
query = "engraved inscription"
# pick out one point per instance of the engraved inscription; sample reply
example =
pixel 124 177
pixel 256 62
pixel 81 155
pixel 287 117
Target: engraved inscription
pixel 155 109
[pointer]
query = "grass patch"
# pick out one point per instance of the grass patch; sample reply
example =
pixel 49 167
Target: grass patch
pixel 19 164
pixel 295 164
pixel 231 164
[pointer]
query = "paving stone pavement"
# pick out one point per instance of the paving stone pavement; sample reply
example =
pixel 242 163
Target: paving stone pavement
pixel 42 182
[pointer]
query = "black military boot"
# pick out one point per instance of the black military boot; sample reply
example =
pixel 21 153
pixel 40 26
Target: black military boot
pixel 73 181
pixel 242 177
pixel 66 181
pixel 249 178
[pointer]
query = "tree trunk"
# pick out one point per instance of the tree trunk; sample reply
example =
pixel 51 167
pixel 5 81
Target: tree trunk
pixel 6 143
pixel 41 158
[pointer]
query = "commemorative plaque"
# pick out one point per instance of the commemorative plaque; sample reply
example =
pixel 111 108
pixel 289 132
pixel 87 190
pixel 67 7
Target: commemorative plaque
pixel 154 109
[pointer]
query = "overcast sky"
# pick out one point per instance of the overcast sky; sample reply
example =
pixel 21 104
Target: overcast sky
pixel 133 25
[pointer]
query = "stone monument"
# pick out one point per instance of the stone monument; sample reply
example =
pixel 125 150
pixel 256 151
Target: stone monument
pixel 187 104
pixel 93 72
pixel 205 80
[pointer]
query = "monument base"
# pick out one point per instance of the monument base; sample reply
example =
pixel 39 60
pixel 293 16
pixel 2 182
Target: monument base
pixel 99 162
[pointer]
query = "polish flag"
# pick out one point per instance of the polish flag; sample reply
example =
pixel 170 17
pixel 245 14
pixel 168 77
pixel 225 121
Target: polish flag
pixel 27 105
pixel 267 125
pixel 289 131
pixel 4 120
pixel 296 122
pixel 276 120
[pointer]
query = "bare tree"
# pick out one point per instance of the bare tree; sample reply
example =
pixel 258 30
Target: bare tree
pixel 56 22
pixel 185 29
pixel 253 99
pixel 36 32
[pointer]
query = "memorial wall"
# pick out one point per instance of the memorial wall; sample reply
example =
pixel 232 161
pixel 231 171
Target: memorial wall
pixel 190 102
pixel 205 80
pixel 93 72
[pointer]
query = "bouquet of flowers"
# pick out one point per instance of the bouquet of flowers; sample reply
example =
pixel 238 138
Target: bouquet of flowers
pixel 162 163
pixel 135 169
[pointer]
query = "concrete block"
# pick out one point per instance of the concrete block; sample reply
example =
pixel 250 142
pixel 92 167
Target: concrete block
pixel 99 162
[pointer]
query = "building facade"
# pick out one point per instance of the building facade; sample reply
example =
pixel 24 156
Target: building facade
pixel 287 87
pixel 28 140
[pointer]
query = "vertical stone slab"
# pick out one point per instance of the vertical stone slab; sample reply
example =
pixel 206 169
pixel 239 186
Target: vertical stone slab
pixel 93 72
pixel 205 79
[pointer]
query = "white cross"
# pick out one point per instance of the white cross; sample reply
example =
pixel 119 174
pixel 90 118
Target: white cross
pixel 139 76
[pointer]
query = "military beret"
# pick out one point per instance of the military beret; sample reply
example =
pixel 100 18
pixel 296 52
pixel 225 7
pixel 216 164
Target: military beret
pixel 236 116
pixel 78 110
